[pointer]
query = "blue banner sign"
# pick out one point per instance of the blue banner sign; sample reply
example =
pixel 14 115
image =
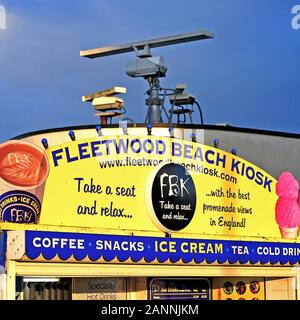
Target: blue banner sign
pixel 96 246
pixel 2 251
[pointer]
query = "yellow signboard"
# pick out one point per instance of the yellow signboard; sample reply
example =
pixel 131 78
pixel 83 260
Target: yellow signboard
pixel 151 183
pixel 137 183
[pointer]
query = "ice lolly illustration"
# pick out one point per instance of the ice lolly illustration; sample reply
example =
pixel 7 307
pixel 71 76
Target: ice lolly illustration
pixel 287 211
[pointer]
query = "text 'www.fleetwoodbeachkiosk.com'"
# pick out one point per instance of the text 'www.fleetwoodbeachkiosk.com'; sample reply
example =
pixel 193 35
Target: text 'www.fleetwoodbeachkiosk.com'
pixel 132 162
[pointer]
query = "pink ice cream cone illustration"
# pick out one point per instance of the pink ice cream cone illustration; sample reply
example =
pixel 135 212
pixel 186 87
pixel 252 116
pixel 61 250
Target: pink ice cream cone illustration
pixel 299 207
pixel 287 207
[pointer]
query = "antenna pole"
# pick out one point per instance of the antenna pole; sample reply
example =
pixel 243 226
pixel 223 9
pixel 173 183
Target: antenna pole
pixel 154 102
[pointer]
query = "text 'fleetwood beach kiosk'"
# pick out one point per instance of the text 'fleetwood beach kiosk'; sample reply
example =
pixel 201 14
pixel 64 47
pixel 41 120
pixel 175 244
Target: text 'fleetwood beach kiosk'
pixel 166 209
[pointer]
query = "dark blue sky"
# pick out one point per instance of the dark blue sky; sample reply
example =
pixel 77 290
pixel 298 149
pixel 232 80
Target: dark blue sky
pixel 247 76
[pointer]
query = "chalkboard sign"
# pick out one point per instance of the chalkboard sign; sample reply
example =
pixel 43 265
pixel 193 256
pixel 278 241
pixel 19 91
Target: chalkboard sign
pixel 179 289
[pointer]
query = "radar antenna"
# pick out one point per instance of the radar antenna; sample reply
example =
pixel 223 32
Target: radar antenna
pixel 150 68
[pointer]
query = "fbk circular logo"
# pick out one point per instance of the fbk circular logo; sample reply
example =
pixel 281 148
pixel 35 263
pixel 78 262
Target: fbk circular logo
pixel 19 207
pixel 173 198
